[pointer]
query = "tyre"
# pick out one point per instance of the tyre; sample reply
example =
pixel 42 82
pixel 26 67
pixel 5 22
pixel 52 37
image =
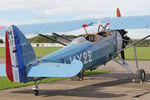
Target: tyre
pixel 141 74
pixel 78 77
pixel 36 92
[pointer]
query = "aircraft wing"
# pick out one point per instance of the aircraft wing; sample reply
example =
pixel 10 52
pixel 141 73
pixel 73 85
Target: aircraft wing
pixel 130 22
pixel 48 69
pixel 2 70
pixel 52 27
pixel 64 26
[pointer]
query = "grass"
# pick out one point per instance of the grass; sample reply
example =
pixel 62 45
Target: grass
pixel 143 53
pixel 5 83
pixel 39 51
pixel 2 52
pixel 43 51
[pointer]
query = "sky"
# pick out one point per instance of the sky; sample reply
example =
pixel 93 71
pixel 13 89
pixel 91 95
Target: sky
pixel 41 11
pixel 19 12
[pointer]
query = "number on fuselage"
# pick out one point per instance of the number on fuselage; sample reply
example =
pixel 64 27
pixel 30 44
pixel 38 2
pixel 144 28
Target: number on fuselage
pixel 85 57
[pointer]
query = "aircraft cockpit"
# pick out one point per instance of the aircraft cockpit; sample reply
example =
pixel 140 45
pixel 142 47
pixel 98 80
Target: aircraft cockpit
pixel 95 37
pixel 102 33
pixel 91 37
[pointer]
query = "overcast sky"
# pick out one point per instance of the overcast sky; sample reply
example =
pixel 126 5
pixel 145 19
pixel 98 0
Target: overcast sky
pixel 41 11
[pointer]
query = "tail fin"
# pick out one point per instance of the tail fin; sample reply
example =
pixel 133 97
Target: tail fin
pixel 19 54
pixel 118 13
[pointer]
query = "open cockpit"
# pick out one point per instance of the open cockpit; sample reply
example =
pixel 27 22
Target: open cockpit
pixel 96 37
pixel 103 32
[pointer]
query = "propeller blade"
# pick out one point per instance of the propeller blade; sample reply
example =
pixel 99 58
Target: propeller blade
pixel 122 52
pixel 122 55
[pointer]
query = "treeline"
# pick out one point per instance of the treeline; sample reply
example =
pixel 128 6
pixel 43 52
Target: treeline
pixel 144 43
pixel 40 39
pixel 1 41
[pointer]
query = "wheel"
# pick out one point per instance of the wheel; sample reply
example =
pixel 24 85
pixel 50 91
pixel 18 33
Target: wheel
pixel 81 76
pixel 141 74
pixel 75 78
pixel 78 77
pixel 36 92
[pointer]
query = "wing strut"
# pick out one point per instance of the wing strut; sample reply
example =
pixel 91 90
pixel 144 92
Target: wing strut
pixel 53 39
pixel 62 37
pixel 124 63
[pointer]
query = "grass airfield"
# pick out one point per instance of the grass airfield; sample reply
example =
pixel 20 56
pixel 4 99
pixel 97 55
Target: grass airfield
pixel 143 53
pixel 6 84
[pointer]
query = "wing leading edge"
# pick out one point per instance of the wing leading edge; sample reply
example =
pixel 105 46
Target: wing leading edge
pixel 49 69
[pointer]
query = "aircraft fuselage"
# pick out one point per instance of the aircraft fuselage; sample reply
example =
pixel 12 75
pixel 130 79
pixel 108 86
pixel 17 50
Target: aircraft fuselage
pixel 92 54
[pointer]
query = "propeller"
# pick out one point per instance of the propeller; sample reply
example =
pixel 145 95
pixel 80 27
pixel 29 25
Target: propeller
pixel 124 36
pixel 124 42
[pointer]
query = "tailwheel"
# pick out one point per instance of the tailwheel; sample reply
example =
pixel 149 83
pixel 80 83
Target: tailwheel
pixel 35 89
pixel 78 77
pixel 36 92
pixel 140 76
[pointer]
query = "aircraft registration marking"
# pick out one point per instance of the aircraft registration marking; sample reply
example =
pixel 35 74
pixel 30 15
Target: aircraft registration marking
pixel 85 57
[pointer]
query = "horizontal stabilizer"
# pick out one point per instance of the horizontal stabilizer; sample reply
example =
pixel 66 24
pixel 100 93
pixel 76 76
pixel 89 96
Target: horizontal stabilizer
pixel 130 22
pixel 2 70
pixel 49 69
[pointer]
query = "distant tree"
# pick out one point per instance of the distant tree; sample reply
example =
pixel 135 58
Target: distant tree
pixel 144 43
pixel 39 39
pixel 1 41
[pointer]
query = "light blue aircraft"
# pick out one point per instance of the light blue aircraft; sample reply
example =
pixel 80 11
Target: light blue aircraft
pixel 83 53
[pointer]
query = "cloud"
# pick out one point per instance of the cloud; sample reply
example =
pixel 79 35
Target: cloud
pixel 4 22
pixel 76 7
pixel 41 17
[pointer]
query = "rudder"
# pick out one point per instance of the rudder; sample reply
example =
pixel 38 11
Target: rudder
pixel 19 54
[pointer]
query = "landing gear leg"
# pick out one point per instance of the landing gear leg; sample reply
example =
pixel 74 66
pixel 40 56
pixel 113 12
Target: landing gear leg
pixel 78 77
pixel 140 72
pixel 35 89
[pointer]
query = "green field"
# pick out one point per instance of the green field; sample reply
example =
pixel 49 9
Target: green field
pixel 143 53
pixel 5 83
pixel 39 51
